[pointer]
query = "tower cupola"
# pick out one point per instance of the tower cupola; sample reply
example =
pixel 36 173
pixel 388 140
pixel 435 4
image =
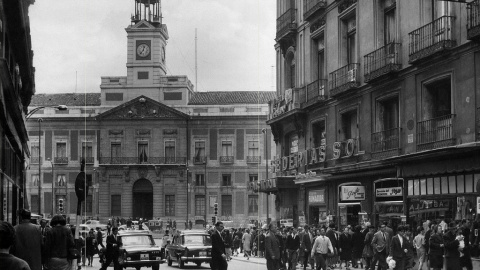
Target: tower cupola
pixel 147 10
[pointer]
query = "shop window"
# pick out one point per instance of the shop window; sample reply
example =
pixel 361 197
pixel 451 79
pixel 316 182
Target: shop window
pixel 429 185
pixel 444 185
pixel 199 180
pixel 318 133
pixel 169 205
pixel 437 186
pixel 416 187
pixel 200 205
pixel 460 184
pixel 423 186
pixel 410 187
pixel 469 183
pixel 452 186
pixel 142 152
pixel 226 205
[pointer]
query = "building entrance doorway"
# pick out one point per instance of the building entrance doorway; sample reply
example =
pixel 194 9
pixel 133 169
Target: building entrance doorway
pixel 142 199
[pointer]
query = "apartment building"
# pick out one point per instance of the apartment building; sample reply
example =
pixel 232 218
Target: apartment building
pixel 377 111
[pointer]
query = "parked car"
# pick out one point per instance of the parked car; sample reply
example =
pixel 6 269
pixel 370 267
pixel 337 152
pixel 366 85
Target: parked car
pixel 190 246
pixel 93 224
pixel 138 250
pixel 285 223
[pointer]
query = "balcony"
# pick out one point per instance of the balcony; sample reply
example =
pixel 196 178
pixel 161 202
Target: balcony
pixel 226 159
pixel 199 160
pixel 473 20
pixel 254 159
pixel 88 160
pixel 312 6
pixel 60 160
pixel 226 189
pixel 144 160
pixel 34 160
pixel 286 25
pixel 431 39
pixel 286 105
pixel 315 92
pixel 383 61
pixel 385 143
pixel 435 133
pixel 344 79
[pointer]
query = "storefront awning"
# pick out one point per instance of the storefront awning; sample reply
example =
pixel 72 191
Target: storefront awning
pixel 300 180
pixel 451 165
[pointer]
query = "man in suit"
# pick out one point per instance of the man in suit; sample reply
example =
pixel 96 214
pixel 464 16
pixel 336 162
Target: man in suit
pixel 335 240
pixel 452 242
pixel 293 244
pixel 306 246
pixel 219 257
pixel 381 246
pixel 28 241
pixel 398 248
pixel 113 244
pixel 272 247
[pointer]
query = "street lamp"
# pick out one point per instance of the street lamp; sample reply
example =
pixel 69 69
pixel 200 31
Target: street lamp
pixel 264 131
pixel 53 188
pixel 27 116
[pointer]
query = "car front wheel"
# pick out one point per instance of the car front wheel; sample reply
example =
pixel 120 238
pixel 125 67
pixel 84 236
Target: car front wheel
pixel 156 267
pixel 199 264
pixel 181 264
pixel 169 260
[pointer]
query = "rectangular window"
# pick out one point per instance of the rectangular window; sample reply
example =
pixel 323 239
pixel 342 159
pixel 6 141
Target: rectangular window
pixel 253 178
pixel 116 205
pixel 460 184
pixel 87 149
pixel 169 149
pixel 143 151
pixel 35 180
pixel 252 205
pixel 61 180
pixel 291 144
pixel 351 41
pixel 226 180
pixel 349 125
pixel 199 205
pixel 34 203
pixel 387 114
pixel 410 188
pixel 199 152
pixel 468 183
pixel 34 152
pixel 423 186
pixel 61 149
pixel 115 149
pixel 437 185
pixel 444 185
pixel 143 75
pixel 89 204
pixel 416 187
pixel 389 21
pixel 321 71
pixel 227 149
pixel 318 133
pixel 452 185
pixel 429 186
pixel 199 180
pixel 227 205
pixel 253 150
pixel 113 96
pixel 169 205
pixel 172 96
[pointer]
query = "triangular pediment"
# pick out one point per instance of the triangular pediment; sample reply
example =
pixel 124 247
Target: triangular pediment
pixel 140 108
pixel 143 25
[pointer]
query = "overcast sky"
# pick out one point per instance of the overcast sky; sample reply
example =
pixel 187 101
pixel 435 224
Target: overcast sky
pixel 75 42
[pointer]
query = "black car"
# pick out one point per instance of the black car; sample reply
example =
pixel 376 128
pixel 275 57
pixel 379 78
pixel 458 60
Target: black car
pixel 138 249
pixel 190 246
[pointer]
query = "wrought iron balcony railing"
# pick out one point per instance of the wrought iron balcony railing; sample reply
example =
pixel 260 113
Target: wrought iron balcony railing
pixel 435 133
pixel 88 160
pixel 143 160
pixel 310 7
pixel 385 60
pixel 199 160
pixel 286 23
pixel 226 159
pixel 431 38
pixel 254 159
pixel 60 160
pixel 386 142
pixel 473 20
pixel 34 159
pixel 344 79
pixel 315 92
pixel 292 100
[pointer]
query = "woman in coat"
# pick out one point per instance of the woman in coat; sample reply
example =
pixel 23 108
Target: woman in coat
pixel 436 250
pixel 246 239
pixel 59 240
pixel 345 247
pixel 91 245
pixel 357 244
pixel 368 248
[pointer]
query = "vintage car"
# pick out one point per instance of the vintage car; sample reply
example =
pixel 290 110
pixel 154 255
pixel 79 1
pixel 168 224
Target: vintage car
pixel 138 249
pixel 190 246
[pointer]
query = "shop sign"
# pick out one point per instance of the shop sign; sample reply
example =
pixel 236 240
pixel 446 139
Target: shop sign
pixel 316 196
pixel 352 193
pixel 344 149
pixel 387 192
pixel 428 204
pixel 301 220
pixel 387 209
pixel 198 217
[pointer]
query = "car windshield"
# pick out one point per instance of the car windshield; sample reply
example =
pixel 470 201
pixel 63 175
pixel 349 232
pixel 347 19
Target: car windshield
pixel 197 240
pixel 137 240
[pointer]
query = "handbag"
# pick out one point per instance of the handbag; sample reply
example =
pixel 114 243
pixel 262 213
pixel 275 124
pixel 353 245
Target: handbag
pixel 72 254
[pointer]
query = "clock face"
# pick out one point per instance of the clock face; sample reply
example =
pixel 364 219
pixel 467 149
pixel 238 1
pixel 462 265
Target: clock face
pixel 143 50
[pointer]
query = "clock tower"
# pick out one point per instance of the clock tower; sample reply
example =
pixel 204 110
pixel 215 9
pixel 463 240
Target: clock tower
pixel 147 39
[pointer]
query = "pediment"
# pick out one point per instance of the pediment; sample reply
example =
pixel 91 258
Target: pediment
pixel 143 25
pixel 141 107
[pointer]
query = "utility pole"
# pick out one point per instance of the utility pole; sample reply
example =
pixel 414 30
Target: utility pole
pixel 196 73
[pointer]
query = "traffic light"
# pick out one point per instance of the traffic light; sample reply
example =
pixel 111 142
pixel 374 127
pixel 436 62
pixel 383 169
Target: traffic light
pixel 214 220
pixel 60 205
pixel 216 208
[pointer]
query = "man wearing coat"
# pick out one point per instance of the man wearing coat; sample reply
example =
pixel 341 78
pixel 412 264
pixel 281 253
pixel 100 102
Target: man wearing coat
pixel 398 248
pixel 452 242
pixel 306 246
pixel 113 245
pixel 292 245
pixel 381 247
pixel 272 248
pixel 335 240
pixel 219 257
pixel 28 241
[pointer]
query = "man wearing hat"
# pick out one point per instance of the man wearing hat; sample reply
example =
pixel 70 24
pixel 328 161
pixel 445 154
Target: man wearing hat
pixel 452 242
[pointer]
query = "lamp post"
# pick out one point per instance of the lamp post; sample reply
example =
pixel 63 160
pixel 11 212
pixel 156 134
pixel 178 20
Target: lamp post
pixel 205 188
pixel 53 188
pixel 27 116
pixel 264 131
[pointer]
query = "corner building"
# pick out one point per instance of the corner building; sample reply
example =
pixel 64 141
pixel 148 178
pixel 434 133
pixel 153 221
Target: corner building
pixel 377 111
pixel 153 146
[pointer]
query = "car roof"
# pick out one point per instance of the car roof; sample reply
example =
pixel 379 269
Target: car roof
pixel 192 232
pixel 133 232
